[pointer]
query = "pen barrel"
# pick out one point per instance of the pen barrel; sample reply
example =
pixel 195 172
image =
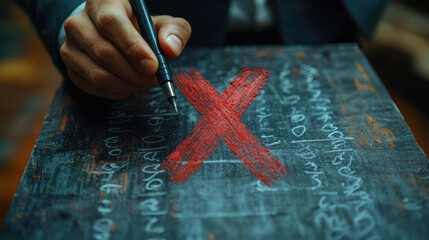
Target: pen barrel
pixel 145 24
pixel 163 74
pixel 164 77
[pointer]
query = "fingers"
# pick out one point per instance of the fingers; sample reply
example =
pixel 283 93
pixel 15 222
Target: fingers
pixel 92 78
pixel 105 54
pixel 81 30
pixel 112 19
pixel 89 88
pixel 173 34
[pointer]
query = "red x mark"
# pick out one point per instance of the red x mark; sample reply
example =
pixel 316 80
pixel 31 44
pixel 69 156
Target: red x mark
pixel 221 120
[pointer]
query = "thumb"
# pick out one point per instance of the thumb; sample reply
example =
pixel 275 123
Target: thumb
pixel 173 34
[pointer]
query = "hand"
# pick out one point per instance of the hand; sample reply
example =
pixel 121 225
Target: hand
pixel 105 54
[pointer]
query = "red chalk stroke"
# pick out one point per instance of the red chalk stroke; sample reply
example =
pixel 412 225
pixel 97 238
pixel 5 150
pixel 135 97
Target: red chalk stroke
pixel 221 120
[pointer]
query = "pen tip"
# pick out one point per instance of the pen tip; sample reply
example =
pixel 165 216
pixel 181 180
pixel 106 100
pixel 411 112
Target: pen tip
pixel 173 103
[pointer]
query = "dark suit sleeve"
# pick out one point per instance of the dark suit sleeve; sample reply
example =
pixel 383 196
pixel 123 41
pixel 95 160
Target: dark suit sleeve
pixel 47 17
pixel 328 21
pixel 366 13
pixel 208 18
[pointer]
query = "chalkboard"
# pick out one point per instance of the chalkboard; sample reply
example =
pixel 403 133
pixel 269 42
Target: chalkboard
pixel 354 169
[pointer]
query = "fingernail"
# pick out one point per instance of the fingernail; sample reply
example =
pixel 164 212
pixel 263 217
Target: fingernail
pixel 175 43
pixel 147 66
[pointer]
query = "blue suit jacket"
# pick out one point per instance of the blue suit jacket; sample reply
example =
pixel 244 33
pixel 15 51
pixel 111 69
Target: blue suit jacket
pixel 300 21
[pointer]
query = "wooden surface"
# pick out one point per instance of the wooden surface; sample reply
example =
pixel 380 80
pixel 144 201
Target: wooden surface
pixel 356 170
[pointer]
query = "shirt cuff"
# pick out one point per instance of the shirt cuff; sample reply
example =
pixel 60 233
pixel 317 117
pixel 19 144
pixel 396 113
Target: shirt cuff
pixel 62 33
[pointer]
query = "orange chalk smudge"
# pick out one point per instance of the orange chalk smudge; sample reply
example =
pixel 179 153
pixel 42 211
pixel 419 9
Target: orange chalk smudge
pixel 376 138
pixel 380 132
pixel 300 54
pixel 362 87
pixel 64 122
pixel 329 78
pixel 125 185
pixel 362 72
pixel 343 109
pixel 400 206
pixel 296 71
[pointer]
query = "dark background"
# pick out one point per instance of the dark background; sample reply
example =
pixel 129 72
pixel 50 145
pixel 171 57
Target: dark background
pixel 399 52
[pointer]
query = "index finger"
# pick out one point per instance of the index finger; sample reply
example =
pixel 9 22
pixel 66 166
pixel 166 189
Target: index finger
pixel 112 19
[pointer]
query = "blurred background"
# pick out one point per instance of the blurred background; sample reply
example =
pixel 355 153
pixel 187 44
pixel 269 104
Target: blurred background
pixel 399 53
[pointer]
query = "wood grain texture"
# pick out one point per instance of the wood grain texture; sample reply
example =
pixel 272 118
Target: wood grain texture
pixel 356 169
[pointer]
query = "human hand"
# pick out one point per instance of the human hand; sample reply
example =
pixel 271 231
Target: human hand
pixel 105 54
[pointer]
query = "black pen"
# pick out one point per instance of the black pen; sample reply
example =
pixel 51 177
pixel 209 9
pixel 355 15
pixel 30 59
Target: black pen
pixel 163 74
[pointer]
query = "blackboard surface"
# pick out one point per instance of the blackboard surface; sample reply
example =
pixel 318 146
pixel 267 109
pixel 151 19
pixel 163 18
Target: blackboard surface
pixel 355 168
